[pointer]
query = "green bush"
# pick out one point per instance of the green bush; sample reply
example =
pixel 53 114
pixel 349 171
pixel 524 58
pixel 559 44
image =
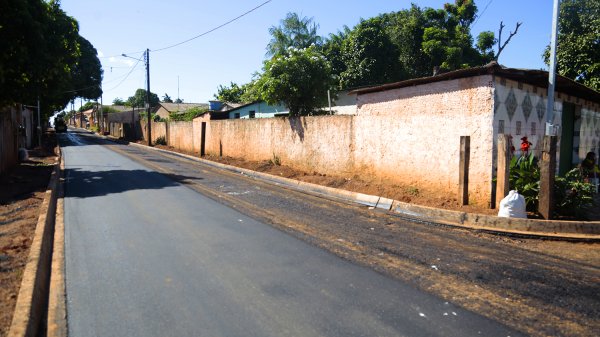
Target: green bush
pixel 188 115
pixel 572 195
pixel 525 178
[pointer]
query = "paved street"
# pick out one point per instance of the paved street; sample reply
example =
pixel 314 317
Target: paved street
pixel 146 255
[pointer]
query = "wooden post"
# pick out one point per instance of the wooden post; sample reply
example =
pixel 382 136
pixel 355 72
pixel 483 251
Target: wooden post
pixel 503 172
pixel 547 173
pixel 203 140
pixel 463 169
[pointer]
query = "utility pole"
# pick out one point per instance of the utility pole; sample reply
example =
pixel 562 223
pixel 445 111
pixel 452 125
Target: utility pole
pixel 148 96
pixel 548 162
pixel 550 129
pixel 147 62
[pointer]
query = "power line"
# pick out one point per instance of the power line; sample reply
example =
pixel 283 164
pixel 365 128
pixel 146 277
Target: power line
pixel 123 80
pixel 482 12
pixel 212 30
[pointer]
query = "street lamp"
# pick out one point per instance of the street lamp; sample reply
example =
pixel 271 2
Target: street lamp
pixel 147 62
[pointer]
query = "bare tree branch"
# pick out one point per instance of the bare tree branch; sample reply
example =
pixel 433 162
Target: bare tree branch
pixel 511 34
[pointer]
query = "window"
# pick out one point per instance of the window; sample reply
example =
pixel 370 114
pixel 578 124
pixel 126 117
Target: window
pixel 533 127
pixel 236 115
pixel 501 127
pixel 518 128
pixel 252 114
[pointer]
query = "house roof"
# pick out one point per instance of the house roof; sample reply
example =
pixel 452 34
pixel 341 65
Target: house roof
pixel 534 77
pixel 182 107
pixel 239 106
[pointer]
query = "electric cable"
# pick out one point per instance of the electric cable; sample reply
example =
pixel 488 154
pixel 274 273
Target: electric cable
pixel 482 12
pixel 212 30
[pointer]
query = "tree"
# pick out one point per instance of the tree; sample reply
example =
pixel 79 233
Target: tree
pixel 167 98
pixel 233 93
pixel 43 56
pixel 369 56
pixel 447 38
pixel 118 101
pixel 332 49
pixel 299 79
pixel 87 72
pixel 178 100
pixel 87 106
pixel 578 51
pixel 139 99
pixel 294 31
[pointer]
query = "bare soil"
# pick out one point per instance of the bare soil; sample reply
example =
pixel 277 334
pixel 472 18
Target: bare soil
pixel 361 184
pixel 21 194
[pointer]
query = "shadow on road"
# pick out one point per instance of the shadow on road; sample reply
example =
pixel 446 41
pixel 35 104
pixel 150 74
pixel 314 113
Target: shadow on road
pixel 86 184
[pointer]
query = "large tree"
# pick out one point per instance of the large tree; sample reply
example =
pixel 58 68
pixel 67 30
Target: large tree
pixel 232 93
pixel 139 99
pixel 369 56
pixel 294 31
pixel 578 51
pixel 299 79
pixel 43 56
pixel 408 44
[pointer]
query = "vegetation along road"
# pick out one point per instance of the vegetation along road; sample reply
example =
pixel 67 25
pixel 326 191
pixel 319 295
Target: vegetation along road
pixel 157 244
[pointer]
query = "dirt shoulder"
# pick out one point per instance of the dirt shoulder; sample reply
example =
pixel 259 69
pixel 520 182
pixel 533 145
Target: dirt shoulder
pixel 355 183
pixel 21 193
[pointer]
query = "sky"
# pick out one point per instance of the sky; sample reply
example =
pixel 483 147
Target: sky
pixel 194 70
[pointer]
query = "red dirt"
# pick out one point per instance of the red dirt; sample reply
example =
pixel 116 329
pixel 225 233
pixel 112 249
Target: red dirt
pixel 355 183
pixel 21 194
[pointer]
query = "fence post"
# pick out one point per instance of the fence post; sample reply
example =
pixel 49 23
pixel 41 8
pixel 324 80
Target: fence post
pixel 463 169
pixel 503 170
pixel 547 173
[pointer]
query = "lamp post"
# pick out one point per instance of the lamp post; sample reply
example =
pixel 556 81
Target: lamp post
pixel 147 62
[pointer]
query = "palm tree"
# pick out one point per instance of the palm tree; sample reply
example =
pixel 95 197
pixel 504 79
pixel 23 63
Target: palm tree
pixel 293 31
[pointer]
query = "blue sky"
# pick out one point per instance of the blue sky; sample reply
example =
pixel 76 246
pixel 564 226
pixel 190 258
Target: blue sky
pixel 236 51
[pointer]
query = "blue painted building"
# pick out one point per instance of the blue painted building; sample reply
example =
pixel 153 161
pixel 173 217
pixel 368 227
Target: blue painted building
pixel 258 109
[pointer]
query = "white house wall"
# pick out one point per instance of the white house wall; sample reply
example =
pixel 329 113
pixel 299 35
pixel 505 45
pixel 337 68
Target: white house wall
pixel 520 110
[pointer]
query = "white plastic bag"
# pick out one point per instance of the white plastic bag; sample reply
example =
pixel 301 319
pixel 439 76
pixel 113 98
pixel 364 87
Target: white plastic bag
pixel 513 206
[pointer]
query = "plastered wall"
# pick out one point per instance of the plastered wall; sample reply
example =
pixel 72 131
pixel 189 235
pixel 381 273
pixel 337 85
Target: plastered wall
pixel 412 135
pixel 322 143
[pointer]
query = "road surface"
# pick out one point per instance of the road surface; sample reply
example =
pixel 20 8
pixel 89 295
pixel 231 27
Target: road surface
pixel 146 255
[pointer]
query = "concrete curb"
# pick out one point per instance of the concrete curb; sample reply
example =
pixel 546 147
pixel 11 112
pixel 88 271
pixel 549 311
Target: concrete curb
pixel 543 229
pixel 57 304
pixel 31 301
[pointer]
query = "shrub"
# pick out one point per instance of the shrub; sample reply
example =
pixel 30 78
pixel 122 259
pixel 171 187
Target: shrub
pixel 525 178
pixel 160 140
pixel 572 195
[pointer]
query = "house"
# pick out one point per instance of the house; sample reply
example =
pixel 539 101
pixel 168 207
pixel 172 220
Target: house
pixel 421 120
pixel 165 109
pixel 84 119
pixel 258 109
pixel 344 104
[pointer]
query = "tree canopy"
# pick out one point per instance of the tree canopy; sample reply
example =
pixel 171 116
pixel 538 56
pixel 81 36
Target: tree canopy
pixel 139 99
pixel 167 99
pixel 294 31
pixel 578 51
pixel 299 79
pixel 232 93
pixel 42 55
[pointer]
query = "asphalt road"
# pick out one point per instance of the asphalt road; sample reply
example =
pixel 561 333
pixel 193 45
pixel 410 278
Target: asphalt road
pixel 146 255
